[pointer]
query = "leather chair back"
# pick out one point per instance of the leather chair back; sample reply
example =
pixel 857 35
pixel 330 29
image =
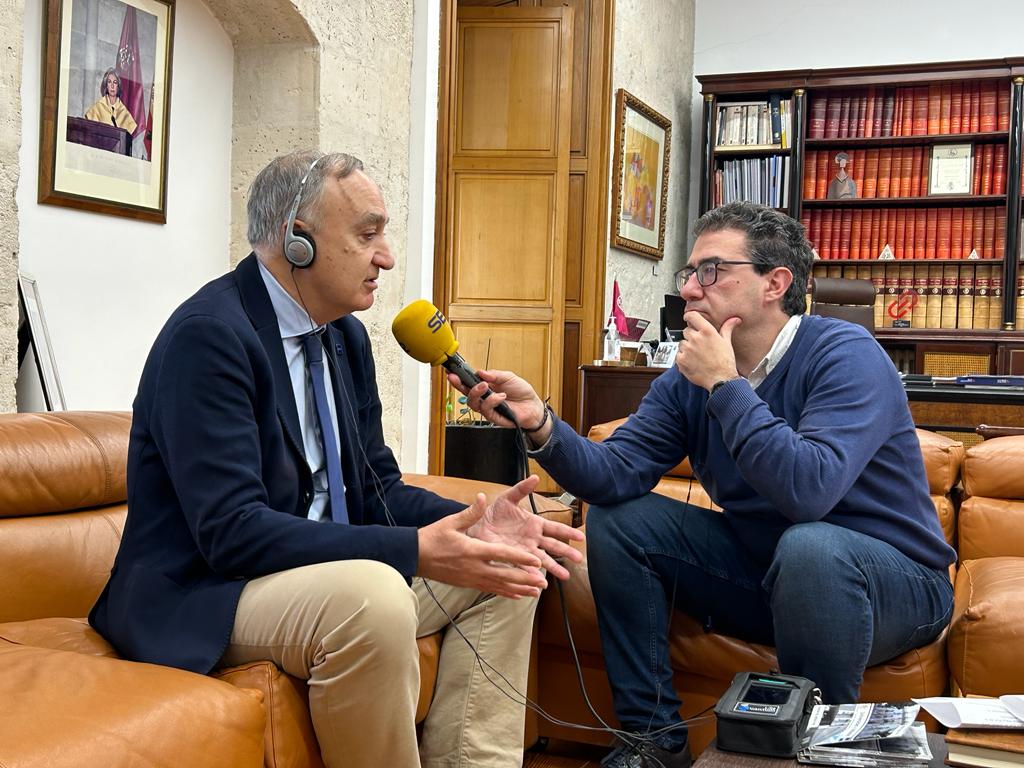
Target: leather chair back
pixel 62 510
pixel 846 299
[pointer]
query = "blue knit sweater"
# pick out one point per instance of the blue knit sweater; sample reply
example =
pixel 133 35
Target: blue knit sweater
pixel 827 436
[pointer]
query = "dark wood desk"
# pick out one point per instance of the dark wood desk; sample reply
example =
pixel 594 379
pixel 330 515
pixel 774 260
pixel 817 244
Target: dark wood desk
pixel 608 393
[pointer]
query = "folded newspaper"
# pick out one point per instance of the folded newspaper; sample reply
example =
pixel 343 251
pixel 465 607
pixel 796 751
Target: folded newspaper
pixel 865 735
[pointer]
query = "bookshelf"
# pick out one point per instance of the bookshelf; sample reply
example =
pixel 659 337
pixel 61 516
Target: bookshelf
pixel 940 239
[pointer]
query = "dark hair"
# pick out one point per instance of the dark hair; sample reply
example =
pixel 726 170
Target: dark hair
pixel 773 240
pixel 103 82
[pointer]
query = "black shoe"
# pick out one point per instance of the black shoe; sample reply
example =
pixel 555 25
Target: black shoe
pixel 647 755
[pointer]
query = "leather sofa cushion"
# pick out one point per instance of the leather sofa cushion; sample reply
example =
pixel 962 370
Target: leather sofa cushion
pixel 990 528
pixel 57 564
pixel 58 634
pixel 985 633
pixel 55 462
pixel 992 468
pixel 942 461
pixel 66 710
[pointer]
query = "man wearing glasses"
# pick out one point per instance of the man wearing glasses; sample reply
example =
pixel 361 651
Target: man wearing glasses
pixel 829 547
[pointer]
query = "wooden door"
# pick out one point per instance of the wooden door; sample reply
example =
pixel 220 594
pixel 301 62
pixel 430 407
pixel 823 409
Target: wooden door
pixel 505 194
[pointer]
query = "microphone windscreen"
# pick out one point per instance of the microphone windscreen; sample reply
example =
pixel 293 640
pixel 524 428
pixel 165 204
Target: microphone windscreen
pixel 424 333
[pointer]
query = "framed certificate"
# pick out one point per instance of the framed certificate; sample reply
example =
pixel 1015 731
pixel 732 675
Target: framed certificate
pixel 950 172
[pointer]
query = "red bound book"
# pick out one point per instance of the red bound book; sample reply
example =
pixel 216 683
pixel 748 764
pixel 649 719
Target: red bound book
pixel 899 244
pixel 989 234
pixel 934 107
pixel 837 231
pixel 999 169
pixel 874 237
pixel 979 232
pixel 884 171
pixel 856 245
pixel 845 232
pixel 956 106
pixel 943 233
pixel 906 117
pixel 888 113
pixel 975 107
pixel 869 112
pixel 813 227
pixel 816 125
pixel 857 163
pixel 987 158
pixel 844 117
pixel 1000 234
pixel 810 174
pixel 917 173
pixel 906 172
pixel 987 118
pixel 976 171
pixel 946 107
pixel 822 176
pixel 896 173
pixel 968 241
pixel 956 240
pixel 884 230
pixel 860 126
pixel 1002 106
pixel 965 108
pixel 870 173
pixel 879 111
pixel 833 110
pixel 825 236
pixel 920 233
pixel 931 233
pixel 919 121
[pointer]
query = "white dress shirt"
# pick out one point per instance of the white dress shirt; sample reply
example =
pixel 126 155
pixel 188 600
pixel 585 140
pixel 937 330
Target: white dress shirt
pixel 294 323
pixel 776 353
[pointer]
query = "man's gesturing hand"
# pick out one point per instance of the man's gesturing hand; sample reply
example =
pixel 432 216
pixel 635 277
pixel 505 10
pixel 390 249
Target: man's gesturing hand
pixel 503 554
pixel 505 522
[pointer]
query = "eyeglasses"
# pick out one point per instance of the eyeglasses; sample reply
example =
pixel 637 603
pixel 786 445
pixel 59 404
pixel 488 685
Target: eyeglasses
pixel 707 273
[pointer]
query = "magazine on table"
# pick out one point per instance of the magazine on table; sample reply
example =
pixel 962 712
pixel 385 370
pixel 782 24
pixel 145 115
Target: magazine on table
pixel 865 735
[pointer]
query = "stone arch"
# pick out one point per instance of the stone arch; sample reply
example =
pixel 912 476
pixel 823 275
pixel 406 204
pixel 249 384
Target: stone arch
pixel 276 92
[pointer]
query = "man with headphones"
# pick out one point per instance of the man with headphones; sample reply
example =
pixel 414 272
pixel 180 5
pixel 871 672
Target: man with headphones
pixel 267 519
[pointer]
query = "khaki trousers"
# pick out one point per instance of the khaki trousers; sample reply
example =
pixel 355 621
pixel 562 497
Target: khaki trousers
pixel 349 628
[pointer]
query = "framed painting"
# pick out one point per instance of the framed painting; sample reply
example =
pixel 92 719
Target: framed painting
pixel 106 96
pixel 640 176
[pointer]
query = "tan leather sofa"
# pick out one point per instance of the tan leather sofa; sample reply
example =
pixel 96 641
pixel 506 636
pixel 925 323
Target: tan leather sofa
pixel 986 636
pixel 68 701
pixel 704 663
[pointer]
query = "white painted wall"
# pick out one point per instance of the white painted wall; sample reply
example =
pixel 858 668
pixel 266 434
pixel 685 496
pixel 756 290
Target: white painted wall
pixel 789 34
pixel 108 284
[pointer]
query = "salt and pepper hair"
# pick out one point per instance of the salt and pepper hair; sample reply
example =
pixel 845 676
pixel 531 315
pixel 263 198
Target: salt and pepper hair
pixel 773 240
pixel 103 82
pixel 273 191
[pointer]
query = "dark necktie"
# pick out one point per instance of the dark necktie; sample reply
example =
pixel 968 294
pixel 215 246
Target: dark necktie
pixel 335 484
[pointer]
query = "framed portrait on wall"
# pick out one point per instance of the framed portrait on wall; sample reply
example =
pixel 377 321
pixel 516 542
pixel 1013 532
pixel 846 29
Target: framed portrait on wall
pixel 640 176
pixel 106 95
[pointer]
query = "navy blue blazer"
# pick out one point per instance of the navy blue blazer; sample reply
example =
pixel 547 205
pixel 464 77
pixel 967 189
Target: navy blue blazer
pixel 218 485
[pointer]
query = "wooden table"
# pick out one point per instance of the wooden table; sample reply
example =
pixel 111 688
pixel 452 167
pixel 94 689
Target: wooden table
pixel 712 757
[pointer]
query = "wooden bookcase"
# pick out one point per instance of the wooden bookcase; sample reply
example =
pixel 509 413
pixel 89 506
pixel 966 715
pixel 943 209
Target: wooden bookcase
pixel 950 285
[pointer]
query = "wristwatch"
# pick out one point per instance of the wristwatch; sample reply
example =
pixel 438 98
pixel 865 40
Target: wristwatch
pixel 717 384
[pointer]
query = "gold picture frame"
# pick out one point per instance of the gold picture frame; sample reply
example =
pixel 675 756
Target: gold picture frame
pixel 643 138
pixel 105 107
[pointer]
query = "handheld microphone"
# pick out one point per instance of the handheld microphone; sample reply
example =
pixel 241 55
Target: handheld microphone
pixel 425 335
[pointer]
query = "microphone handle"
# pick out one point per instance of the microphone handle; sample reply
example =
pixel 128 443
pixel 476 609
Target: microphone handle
pixel 467 375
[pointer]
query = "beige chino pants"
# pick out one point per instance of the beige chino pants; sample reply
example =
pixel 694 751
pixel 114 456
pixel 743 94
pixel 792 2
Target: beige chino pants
pixel 349 628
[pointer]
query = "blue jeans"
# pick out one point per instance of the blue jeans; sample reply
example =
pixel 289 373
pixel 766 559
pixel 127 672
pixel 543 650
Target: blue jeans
pixel 832 601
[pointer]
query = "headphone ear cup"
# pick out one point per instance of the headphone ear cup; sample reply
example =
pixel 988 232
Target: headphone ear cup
pixel 300 249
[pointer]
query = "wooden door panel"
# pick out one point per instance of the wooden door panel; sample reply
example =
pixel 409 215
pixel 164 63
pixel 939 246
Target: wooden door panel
pixel 503 250
pixel 582 23
pixel 509 347
pixel 574 240
pixel 508 100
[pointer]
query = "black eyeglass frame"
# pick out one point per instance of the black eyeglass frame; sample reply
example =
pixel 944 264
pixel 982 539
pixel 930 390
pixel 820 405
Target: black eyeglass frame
pixel 706 266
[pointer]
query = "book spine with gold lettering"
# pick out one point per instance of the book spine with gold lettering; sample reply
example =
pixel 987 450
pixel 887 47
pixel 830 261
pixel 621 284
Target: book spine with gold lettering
pixel 878 280
pixel 933 312
pixel 965 311
pixel 919 318
pixel 949 297
pixel 995 299
pixel 982 278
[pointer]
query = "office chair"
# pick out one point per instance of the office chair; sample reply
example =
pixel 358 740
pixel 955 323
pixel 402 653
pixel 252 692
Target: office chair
pixel 847 299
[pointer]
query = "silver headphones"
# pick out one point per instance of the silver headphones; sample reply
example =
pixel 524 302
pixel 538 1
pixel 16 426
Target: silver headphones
pixel 299 246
